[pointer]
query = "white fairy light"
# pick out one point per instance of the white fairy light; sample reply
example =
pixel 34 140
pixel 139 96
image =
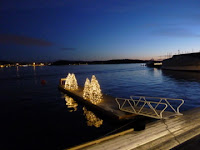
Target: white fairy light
pixel 71 82
pixel 96 95
pixel 92 91
pixel 74 84
pixel 67 81
pixel 86 90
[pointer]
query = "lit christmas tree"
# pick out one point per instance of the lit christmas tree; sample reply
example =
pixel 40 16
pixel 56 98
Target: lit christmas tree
pixel 67 81
pixel 71 82
pixel 92 91
pixel 96 94
pixel 86 90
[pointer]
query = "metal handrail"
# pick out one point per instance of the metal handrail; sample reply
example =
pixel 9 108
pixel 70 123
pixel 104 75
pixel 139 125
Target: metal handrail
pixel 139 112
pixel 176 110
pixel 134 103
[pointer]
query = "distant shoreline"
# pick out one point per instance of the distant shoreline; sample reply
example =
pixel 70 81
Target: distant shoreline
pixel 116 61
pixel 69 62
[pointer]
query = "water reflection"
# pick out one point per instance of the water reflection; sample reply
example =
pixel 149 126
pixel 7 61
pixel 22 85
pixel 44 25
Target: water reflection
pixel 71 104
pixel 182 75
pixel 92 119
pixel 34 69
pixel 17 71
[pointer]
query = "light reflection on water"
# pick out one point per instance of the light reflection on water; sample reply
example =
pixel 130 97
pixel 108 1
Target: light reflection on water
pixel 92 119
pixel 71 103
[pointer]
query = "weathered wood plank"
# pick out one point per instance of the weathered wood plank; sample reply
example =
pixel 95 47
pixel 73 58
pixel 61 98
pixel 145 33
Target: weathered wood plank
pixel 108 106
pixel 161 134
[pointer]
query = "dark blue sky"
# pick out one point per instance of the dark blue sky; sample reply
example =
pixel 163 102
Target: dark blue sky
pixel 37 30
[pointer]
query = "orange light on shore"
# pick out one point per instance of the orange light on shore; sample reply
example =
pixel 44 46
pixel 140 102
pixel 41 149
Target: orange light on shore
pixel 41 64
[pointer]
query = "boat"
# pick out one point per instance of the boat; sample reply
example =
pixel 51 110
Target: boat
pixel 183 62
pixel 153 63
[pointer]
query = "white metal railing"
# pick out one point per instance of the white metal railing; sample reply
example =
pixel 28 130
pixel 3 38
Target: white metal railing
pixel 150 106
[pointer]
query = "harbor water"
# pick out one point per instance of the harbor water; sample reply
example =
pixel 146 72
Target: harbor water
pixel 36 115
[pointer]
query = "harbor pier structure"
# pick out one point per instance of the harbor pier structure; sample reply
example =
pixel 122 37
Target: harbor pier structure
pixel 123 108
pixel 161 134
pixel 108 106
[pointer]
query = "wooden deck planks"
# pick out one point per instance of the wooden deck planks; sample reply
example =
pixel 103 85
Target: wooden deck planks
pixel 162 134
pixel 108 105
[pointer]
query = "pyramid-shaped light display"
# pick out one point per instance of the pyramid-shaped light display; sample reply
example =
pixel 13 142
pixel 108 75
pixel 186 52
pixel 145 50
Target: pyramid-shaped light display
pixel 71 82
pixel 92 91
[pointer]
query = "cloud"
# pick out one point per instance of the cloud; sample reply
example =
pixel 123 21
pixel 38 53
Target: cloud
pixel 23 40
pixel 175 32
pixel 67 49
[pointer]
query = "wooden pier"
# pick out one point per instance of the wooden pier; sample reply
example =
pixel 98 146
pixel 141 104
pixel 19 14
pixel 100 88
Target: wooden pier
pixel 162 134
pixel 108 106
pixel 122 108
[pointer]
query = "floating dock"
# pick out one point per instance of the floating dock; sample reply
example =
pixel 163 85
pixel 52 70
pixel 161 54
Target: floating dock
pixel 120 108
pixel 161 134
pixel 108 106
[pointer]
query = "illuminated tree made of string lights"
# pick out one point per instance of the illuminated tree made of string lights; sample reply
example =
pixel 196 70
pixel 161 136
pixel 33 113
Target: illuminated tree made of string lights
pixel 71 82
pixel 67 81
pixel 86 90
pixel 92 91
pixel 74 84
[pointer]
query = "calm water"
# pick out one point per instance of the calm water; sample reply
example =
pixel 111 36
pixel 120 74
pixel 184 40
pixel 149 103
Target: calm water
pixel 36 116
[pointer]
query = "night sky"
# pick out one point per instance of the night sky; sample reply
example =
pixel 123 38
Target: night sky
pixel 49 30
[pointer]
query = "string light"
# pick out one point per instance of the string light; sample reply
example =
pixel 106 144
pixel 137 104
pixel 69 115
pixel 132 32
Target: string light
pixel 86 90
pixel 92 91
pixel 71 82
